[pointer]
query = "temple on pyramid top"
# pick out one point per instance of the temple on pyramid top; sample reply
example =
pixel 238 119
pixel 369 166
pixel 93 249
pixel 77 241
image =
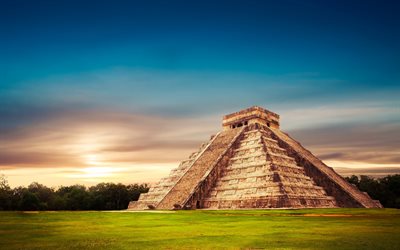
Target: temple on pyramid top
pixel 249 116
pixel 252 164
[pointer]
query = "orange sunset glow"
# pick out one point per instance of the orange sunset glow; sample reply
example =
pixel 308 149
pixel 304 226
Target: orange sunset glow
pixel 121 94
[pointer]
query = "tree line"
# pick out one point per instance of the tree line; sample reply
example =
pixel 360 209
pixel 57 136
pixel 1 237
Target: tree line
pixel 103 196
pixel 386 189
pixel 111 196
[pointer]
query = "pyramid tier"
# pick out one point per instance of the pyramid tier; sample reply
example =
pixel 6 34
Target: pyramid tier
pixel 282 201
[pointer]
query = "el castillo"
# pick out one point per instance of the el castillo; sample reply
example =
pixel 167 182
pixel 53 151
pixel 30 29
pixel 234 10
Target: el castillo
pixel 252 164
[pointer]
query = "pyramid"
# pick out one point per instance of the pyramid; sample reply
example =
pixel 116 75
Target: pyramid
pixel 252 164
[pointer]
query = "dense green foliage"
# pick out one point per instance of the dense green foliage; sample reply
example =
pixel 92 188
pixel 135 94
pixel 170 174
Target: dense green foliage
pixel 386 189
pixel 110 196
pixel 202 229
pixel 103 196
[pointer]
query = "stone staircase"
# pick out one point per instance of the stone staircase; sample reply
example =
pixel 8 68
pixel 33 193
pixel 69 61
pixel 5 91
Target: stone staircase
pixel 160 189
pixel 177 197
pixel 261 175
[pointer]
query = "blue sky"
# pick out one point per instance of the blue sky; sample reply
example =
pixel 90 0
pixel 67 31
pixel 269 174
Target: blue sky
pixel 74 73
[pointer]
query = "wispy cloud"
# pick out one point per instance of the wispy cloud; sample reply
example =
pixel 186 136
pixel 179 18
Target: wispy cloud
pixel 193 93
pixel 363 142
pixel 64 139
pixel 131 119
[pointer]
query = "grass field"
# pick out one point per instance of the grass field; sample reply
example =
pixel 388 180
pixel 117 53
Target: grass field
pixel 246 229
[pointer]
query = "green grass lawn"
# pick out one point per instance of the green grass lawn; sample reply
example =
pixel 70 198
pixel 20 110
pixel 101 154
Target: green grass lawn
pixel 245 229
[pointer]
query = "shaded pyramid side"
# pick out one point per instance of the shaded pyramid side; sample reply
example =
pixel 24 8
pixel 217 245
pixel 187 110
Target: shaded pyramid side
pixel 346 195
pixel 260 174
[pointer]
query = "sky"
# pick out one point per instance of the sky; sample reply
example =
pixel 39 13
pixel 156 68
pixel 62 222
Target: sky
pixel 122 91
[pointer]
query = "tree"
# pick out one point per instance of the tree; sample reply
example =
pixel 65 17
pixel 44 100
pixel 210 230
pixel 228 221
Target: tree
pixel 135 190
pixel 110 196
pixel 75 197
pixel 3 182
pixel 353 179
pixel 114 195
pixel 44 194
pixel 29 201
pixel 371 186
pixel 386 189
pixel 103 196
pixel 5 193
pixel 391 187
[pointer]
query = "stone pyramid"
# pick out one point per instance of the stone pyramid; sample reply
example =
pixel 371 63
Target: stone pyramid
pixel 252 164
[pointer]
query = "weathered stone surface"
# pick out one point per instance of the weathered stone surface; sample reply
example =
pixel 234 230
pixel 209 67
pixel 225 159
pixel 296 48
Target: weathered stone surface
pixel 252 164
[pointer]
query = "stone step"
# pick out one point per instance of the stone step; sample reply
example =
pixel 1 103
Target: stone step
pixel 248 164
pixel 258 166
pixel 251 155
pixel 249 143
pixel 247 175
pixel 276 147
pixel 249 151
pixel 256 197
pixel 258 139
pixel 277 166
pixel 244 148
pixel 270 140
pixel 156 193
pixel 300 185
pixel 281 156
pixel 240 186
pixel 283 174
pixel 283 160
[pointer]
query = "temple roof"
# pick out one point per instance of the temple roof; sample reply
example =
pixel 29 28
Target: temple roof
pixel 249 116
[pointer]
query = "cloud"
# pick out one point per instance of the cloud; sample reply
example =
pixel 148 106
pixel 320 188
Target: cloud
pixel 372 142
pixel 136 119
pixel 347 168
pixel 379 171
pixel 193 93
pixel 340 114
pixel 37 159
pixel 66 138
